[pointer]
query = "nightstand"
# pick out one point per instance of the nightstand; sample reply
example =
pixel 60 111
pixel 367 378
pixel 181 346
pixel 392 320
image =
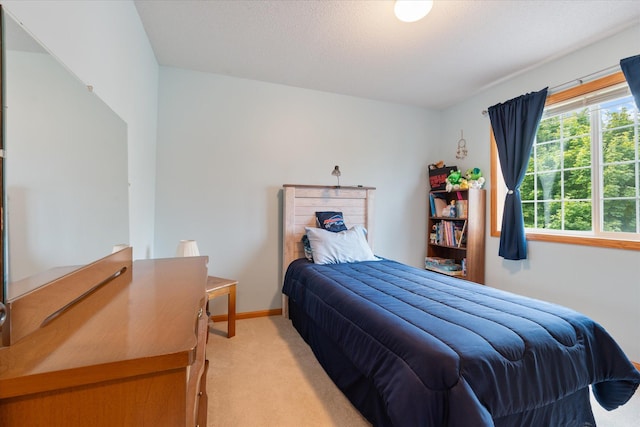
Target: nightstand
pixel 217 286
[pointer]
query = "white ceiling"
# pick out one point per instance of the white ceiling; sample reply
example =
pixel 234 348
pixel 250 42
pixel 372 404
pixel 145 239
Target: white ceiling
pixel 359 48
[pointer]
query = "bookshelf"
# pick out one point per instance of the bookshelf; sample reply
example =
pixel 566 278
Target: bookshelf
pixel 455 244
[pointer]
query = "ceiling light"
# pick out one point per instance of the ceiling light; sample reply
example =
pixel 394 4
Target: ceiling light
pixel 412 10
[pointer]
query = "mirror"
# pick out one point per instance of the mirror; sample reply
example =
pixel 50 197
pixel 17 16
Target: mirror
pixel 65 168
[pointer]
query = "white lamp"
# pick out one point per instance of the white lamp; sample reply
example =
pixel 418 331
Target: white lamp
pixel 187 248
pixel 412 10
pixel 119 247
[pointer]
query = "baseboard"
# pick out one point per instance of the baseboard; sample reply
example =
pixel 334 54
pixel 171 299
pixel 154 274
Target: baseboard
pixel 249 315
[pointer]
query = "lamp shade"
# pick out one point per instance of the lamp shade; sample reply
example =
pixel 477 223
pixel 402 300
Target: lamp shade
pixel 119 247
pixel 187 248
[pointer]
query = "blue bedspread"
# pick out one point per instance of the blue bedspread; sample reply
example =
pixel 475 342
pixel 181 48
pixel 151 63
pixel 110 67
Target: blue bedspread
pixel 411 347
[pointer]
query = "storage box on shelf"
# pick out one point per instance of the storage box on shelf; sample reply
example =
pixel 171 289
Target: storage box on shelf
pixel 457 233
pixel 438 177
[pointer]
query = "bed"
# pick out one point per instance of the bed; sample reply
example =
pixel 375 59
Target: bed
pixel 410 347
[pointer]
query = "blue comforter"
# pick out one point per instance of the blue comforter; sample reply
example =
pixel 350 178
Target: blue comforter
pixel 411 347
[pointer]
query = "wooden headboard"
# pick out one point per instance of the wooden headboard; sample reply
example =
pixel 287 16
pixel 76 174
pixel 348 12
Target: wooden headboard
pixel 300 203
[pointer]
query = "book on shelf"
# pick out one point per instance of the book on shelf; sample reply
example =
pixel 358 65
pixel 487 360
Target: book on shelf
pixel 437 203
pixel 449 233
pixel 462 239
pixel 462 208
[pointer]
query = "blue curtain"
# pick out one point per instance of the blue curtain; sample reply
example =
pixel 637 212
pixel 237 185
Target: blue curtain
pixel 514 124
pixel 631 69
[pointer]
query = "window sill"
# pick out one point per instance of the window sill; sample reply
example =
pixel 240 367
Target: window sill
pixel 633 245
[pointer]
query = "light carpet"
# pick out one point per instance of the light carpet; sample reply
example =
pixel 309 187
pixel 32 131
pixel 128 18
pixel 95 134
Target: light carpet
pixel 267 376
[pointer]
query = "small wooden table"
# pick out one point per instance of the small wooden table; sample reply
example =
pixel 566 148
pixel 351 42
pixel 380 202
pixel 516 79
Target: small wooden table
pixel 217 286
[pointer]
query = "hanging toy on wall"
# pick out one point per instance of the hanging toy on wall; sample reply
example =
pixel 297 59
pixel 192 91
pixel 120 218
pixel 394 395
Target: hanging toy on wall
pixel 461 152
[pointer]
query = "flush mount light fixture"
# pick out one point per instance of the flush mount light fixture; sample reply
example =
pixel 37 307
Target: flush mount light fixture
pixel 412 10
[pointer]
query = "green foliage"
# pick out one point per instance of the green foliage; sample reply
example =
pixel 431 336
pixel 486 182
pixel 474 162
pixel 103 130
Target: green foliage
pixel 557 189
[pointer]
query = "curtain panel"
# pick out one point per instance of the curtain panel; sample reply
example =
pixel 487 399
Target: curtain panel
pixel 515 123
pixel 631 70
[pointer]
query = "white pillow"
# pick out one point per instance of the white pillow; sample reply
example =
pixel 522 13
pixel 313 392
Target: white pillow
pixel 345 246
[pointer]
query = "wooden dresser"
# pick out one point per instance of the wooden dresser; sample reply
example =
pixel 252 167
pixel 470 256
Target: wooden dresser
pixel 129 352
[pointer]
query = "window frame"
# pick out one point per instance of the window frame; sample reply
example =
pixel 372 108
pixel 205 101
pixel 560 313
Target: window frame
pixel 497 197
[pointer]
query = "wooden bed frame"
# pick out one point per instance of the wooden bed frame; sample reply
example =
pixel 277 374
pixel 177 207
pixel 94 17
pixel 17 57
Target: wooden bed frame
pixel 300 203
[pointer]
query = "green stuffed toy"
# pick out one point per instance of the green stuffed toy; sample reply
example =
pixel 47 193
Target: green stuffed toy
pixel 474 178
pixel 455 181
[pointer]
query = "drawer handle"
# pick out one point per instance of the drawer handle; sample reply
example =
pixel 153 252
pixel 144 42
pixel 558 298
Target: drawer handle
pixel 3 313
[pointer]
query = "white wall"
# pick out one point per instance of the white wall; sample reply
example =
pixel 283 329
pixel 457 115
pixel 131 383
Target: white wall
pixel 104 44
pixel 227 145
pixel 602 283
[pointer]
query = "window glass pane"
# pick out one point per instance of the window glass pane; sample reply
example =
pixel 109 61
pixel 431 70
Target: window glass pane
pixel 620 216
pixel 549 186
pixel 619 180
pixel 528 214
pixel 526 188
pixel 531 164
pixel 549 130
pixel 576 123
pixel 618 144
pixel 622 106
pixel 577 152
pixel 577 216
pixel 548 156
pixel 577 184
pixel 549 215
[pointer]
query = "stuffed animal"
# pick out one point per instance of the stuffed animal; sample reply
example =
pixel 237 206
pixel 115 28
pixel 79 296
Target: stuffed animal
pixel 455 181
pixel 474 178
pixel 437 165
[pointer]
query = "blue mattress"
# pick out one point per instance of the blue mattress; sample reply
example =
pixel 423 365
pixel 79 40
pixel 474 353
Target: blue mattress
pixel 411 347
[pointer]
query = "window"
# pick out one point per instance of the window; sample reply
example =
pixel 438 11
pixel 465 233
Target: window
pixel 582 183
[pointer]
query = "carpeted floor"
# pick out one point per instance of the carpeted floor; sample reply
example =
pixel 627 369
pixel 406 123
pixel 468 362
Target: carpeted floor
pixel 266 376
